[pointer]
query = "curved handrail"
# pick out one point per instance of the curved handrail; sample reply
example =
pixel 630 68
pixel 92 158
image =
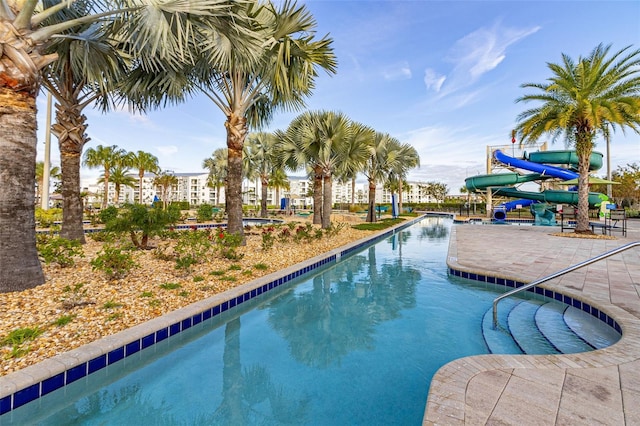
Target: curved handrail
pixel 558 274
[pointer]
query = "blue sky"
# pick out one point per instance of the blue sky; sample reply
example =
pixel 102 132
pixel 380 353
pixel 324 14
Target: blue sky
pixel 440 75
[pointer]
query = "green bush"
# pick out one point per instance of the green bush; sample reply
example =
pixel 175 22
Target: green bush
pixel 191 248
pixel 204 213
pixel 142 222
pixel 108 214
pixel 114 262
pixel 228 245
pixel 59 250
pixel 47 217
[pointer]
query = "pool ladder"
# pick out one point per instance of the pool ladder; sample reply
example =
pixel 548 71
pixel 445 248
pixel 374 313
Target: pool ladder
pixel 559 274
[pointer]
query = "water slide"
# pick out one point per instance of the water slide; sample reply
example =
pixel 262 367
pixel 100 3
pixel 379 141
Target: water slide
pixel 541 164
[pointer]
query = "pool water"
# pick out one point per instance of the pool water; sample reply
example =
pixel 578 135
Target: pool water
pixel 354 343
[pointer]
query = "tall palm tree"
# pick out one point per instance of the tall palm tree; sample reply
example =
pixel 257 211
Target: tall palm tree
pixel 144 162
pixel 408 159
pixel 166 182
pixel 248 89
pixel 119 176
pixel 355 155
pixel 54 173
pixel 383 158
pixel 260 153
pixel 217 166
pixel 278 180
pixel 318 140
pixel 149 28
pixel 578 100
pixel 105 157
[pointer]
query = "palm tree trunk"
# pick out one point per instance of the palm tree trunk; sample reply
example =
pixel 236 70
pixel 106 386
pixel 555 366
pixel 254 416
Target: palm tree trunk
pixel 326 205
pixel 353 192
pixel 317 196
pixel 105 196
pixel 70 128
pixel 400 188
pixel 20 267
pixel 371 214
pixel 141 177
pixel 582 217
pixel 236 132
pixel 264 185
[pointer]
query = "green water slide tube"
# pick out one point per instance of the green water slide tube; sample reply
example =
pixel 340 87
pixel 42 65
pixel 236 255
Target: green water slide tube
pixel 563 157
pixel 480 182
pixel 551 196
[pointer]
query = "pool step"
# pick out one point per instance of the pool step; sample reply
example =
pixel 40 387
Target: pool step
pixel 590 329
pixel 544 327
pixel 523 328
pixel 551 323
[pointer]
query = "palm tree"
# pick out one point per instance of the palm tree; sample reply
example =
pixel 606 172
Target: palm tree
pixel 578 100
pixel 54 173
pixel 260 153
pixel 384 156
pixel 317 140
pixel 144 162
pixel 278 179
pixel 119 176
pixel 356 152
pixel 408 159
pixel 248 89
pixel 152 30
pixel 166 183
pixel 217 165
pixel 106 158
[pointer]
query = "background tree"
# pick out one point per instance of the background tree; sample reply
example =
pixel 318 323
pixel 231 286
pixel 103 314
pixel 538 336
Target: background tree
pixel 408 159
pixel 119 176
pixel 278 180
pixel 580 98
pixel 436 190
pixel 382 158
pixel 355 152
pixel 627 193
pixel 144 162
pixel 217 166
pixel 166 183
pixel 260 153
pixel 105 157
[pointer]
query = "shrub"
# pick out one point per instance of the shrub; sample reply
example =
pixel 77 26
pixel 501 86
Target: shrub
pixel 48 217
pixel 268 239
pixel 59 250
pixel 114 262
pixel 108 214
pixel 191 248
pixel 228 245
pixel 204 212
pixel 142 222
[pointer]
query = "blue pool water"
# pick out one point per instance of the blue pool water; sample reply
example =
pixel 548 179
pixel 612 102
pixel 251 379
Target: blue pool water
pixel 353 343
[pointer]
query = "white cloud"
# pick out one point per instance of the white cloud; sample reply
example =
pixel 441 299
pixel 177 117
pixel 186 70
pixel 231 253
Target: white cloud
pixel 398 72
pixel 433 80
pixel 167 150
pixel 480 52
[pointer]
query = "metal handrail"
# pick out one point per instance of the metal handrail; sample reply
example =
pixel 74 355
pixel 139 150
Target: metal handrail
pixel 558 274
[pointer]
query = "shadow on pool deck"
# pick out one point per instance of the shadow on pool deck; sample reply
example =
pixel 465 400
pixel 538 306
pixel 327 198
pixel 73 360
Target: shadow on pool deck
pixel 599 387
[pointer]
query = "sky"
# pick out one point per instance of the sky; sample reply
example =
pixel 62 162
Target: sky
pixel 443 76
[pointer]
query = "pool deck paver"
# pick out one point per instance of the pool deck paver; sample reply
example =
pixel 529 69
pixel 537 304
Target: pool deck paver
pixel 599 387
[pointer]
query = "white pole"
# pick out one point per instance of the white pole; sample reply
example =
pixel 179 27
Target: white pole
pixel 47 156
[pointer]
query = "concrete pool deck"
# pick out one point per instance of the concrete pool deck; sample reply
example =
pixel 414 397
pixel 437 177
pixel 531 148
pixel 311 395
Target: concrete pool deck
pixel 599 387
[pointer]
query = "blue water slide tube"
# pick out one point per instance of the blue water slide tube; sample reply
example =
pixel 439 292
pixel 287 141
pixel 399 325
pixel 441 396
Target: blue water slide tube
pixel 543 169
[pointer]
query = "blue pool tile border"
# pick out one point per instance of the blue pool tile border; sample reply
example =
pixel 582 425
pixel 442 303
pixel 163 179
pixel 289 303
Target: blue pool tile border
pixel 72 374
pixel 550 294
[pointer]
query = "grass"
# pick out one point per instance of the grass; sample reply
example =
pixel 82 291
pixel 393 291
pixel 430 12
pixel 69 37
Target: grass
pixel 170 286
pixel 378 226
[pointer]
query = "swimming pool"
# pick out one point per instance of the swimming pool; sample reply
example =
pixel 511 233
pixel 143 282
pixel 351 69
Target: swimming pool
pixel 355 342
